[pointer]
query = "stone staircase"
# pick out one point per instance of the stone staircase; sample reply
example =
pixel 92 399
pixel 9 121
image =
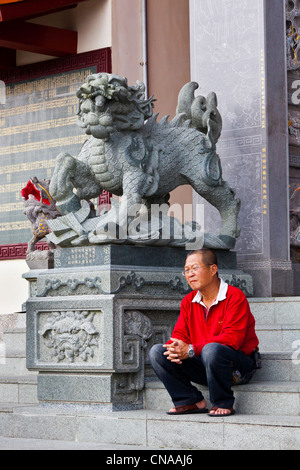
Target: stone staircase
pixel 268 408
pixel 17 384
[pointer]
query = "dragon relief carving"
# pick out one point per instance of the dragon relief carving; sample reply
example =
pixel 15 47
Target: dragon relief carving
pixel 132 155
pixel 70 334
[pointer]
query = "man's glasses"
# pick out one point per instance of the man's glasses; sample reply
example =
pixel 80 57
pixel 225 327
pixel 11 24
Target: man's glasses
pixel 193 269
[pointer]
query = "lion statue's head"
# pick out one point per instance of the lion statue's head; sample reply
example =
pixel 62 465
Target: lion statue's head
pixel 108 104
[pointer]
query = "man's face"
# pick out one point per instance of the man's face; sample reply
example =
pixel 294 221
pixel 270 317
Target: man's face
pixel 198 275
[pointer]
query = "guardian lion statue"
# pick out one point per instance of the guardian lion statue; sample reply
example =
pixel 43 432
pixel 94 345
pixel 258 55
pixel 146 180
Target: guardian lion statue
pixel 131 154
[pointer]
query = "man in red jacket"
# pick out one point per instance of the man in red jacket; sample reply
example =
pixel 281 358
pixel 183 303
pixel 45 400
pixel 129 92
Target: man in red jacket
pixel 213 337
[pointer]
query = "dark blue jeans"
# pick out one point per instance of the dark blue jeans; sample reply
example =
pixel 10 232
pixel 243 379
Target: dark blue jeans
pixel 213 368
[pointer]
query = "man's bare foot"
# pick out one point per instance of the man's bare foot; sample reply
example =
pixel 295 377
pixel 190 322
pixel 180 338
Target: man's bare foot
pixel 200 404
pixel 215 411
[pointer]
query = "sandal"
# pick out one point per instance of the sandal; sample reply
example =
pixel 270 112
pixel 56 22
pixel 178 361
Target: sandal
pixel 187 409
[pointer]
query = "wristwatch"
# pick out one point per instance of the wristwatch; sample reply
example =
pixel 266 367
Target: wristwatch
pixel 191 351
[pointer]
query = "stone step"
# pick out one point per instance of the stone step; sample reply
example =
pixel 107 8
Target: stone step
pixel 18 390
pixel 263 398
pixel 14 364
pixel 276 366
pixel 276 311
pixel 9 407
pixel 11 321
pixel 152 429
pixel 15 339
pixel 279 366
pixel 280 338
pixel 278 372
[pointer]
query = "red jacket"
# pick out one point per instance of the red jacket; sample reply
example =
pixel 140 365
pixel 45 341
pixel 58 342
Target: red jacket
pixel 229 322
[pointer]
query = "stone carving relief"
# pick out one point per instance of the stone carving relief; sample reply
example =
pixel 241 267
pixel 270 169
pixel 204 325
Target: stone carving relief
pixel 294 129
pixel 140 332
pixel 295 215
pixel 131 279
pixel 137 330
pixel 70 334
pixel 293 66
pixel 293 34
pixel 136 323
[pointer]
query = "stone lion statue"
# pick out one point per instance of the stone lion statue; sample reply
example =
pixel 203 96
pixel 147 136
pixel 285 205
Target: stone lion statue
pixel 131 154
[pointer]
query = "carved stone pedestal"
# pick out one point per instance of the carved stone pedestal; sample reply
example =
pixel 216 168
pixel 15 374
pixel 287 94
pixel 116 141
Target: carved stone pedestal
pixel 92 319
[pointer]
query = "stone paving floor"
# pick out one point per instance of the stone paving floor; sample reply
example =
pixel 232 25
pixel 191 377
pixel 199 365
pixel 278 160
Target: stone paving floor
pixel 7 443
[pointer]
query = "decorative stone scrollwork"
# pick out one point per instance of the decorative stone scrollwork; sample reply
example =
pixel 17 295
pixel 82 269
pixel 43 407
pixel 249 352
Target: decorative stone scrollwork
pixel 295 215
pixel 138 330
pixel 126 391
pixel 292 29
pixel 70 334
pixel 131 279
